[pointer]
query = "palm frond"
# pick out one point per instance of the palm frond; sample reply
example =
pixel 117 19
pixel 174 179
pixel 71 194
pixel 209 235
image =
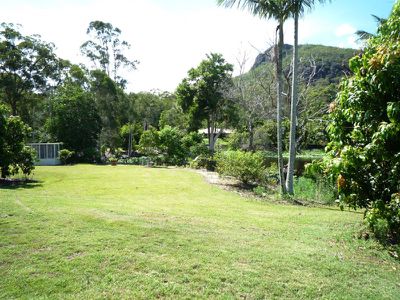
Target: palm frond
pixel 379 20
pixel 363 35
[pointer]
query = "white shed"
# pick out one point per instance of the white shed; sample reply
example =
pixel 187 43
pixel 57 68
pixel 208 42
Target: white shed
pixel 47 153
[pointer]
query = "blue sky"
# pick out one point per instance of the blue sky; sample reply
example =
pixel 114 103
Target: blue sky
pixel 170 36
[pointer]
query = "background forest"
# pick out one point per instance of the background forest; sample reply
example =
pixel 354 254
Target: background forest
pixel 88 109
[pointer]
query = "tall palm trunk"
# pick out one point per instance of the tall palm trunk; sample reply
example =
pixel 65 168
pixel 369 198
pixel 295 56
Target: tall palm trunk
pixel 293 108
pixel 279 75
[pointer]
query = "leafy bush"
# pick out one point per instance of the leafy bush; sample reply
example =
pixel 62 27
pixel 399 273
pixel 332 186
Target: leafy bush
pixel 75 120
pixel 247 167
pixel 265 135
pixel 194 145
pixel 260 191
pixel 26 161
pixel 113 160
pixel 65 155
pixel 365 130
pixel 136 129
pixel 204 162
pixel 319 191
pixel 271 174
pixel 238 140
pixel 384 219
pixel 170 146
pixel 14 155
pixel 140 161
pixel 149 143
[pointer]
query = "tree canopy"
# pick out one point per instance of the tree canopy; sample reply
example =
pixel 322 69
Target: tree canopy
pixel 203 95
pixel 27 66
pixel 105 50
pixel 74 119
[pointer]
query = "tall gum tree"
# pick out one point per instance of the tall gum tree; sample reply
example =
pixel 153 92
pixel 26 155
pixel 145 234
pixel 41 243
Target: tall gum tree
pixel 27 66
pixel 105 50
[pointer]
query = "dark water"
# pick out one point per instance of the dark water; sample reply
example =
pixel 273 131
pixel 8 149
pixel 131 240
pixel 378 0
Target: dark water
pixel 299 163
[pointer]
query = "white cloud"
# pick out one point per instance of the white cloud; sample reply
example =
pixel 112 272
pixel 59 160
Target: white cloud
pixel 167 41
pixel 345 30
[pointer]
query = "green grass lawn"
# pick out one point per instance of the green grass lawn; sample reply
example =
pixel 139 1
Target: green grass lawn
pixel 101 232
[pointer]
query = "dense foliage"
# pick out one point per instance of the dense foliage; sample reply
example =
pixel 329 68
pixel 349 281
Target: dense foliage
pixel 75 121
pixel 248 167
pixel 58 99
pixel 365 131
pixel 170 146
pixel 27 66
pixel 14 155
pixel 202 95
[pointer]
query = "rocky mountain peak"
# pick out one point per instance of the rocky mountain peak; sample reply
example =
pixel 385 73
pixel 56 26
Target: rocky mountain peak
pixel 269 54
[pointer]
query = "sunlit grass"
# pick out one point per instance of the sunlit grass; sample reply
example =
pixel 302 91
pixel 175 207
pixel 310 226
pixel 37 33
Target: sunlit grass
pixel 133 232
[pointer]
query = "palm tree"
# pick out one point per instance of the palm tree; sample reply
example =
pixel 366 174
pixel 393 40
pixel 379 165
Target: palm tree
pixel 363 35
pixel 297 8
pixel 278 10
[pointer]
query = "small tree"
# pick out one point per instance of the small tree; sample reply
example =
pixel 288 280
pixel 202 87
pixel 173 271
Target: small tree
pixel 64 155
pixel 203 96
pixel 365 131
pixel 14 155
pixel 149 143
pixel 171 145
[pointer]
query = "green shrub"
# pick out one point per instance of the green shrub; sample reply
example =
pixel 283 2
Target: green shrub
pixel 149 143
pixel 271 174
pixel 194 145
pixel 164 146
pixel 14 155
pixel 136 129
pixel 65 155
pixel 365 130
pixel 113 160
pixel 204 162
pixel 247 167
pixel 265 135
pixel 170 147
pixel 26 160
pixel 238 140
pixel 384 219
pixel 139 161
pixel 260 191
pixel 319 191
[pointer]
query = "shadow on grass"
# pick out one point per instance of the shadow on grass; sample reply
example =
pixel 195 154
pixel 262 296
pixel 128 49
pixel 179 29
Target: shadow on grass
pixel 13 184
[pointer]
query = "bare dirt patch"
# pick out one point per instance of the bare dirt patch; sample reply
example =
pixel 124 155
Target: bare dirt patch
pixel 228 184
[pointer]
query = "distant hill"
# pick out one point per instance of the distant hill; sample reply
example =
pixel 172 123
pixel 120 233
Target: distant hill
pixel 331 62
pixel 326 65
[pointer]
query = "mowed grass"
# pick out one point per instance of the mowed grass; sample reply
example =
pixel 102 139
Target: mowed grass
pixel 102 232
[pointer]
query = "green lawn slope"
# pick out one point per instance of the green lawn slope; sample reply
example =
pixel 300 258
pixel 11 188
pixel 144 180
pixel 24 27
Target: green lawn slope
pixel 102 232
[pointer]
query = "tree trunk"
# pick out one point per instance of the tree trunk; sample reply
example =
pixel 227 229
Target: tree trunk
pixel 130 141
pixel 13 104
pixel 293 109
pixel 210 134
pixel 279 74
pixel 251 136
